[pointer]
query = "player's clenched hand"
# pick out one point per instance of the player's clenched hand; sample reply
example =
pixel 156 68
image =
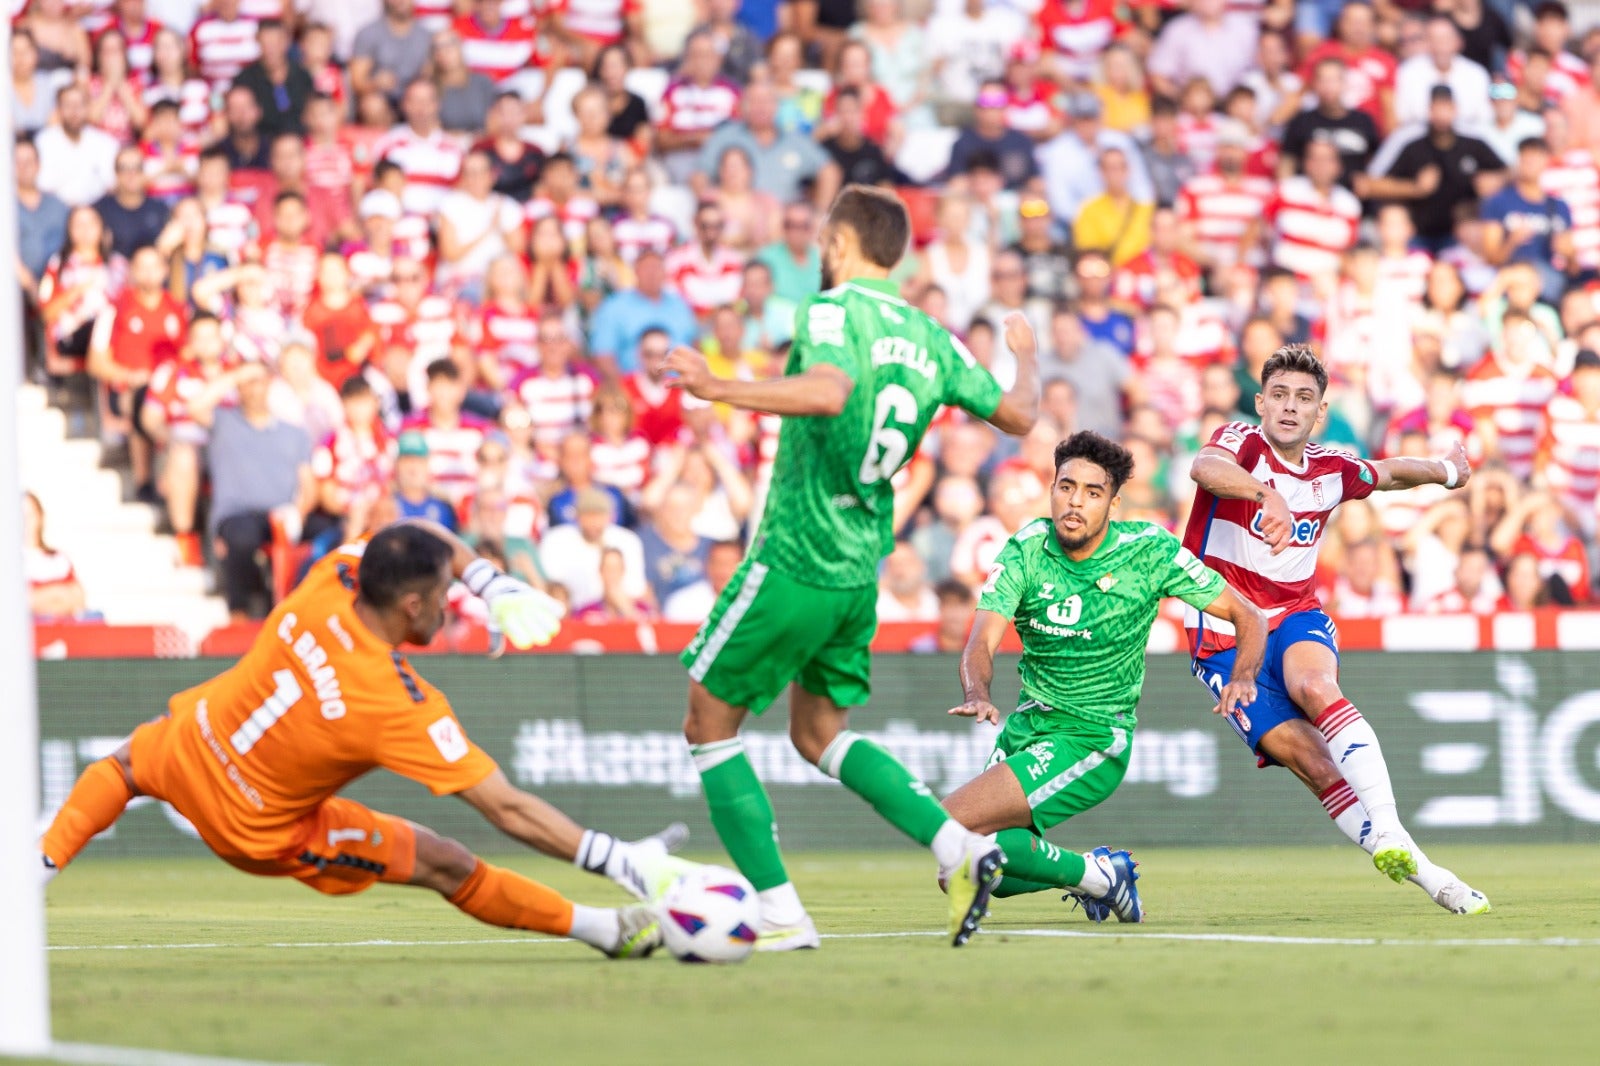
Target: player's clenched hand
pixel 692 374
pixel 1019 336
pixel 1235 694
pixel 1458 459
pixel 982 710
pixel 1277 523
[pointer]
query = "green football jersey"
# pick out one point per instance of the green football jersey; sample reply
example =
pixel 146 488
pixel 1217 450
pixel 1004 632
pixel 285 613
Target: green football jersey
pixel 830 509
pixel 1084 624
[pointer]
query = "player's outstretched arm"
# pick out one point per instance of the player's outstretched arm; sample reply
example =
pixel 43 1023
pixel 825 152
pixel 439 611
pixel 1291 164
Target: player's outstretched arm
pixel 524 817
pixel 1250 636
pixel 977 667
pixel 1219 473
pixel 822 391
pixel 1453 471
pixel 1019 405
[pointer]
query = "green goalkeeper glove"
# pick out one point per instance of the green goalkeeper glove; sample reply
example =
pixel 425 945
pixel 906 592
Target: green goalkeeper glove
pixel 517 612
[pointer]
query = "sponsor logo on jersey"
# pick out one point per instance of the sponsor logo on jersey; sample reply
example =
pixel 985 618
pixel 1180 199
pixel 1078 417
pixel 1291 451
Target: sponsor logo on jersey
pixel 897 351
pixel 1302 534
pixel 1066 612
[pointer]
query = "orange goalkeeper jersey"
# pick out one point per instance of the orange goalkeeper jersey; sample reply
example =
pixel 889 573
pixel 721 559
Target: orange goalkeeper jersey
pixel 317 701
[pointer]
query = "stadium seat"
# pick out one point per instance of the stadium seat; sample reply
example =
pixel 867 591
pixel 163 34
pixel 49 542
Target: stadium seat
pixel 926 153
pixel 675 203
pixel 650 83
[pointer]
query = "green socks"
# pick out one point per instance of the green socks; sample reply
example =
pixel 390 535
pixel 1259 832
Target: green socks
pixel 894 792
pixel 741 813
pixel 1032 859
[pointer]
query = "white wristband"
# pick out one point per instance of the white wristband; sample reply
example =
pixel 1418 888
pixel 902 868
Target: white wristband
pixel 1449 474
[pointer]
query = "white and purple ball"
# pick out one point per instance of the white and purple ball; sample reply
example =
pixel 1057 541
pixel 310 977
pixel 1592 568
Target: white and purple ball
pixel 710 915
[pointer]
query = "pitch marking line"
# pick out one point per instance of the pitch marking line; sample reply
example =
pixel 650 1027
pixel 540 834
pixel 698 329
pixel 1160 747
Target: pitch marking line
pixel 106 1055
pixel 1062 934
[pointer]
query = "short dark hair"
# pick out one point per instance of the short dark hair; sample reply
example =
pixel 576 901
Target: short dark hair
pixel 397 560
pixel 444 368
pixel 1295 359
pixel 1107 454
pixel 1533 144
pixel 355 385
pixel 879 220
pixel 952 591
pixel 560 159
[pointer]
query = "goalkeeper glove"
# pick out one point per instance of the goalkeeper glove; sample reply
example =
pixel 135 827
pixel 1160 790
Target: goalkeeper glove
pixel 526 616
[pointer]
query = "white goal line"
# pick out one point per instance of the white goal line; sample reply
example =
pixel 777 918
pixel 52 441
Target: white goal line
pixel 987 934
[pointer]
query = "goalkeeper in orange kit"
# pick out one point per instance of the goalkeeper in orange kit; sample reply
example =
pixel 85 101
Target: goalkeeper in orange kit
pixel 255 757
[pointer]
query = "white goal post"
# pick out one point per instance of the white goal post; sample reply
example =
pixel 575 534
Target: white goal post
pixel 25 999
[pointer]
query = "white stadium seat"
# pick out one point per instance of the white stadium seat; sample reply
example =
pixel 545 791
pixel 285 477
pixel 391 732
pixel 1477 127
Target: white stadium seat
pixel 925 153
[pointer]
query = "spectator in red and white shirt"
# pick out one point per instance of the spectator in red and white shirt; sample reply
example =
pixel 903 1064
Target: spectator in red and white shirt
pixel 1216 210
pixel 420 321
pixel 289 257
pixel 1076 32
pixel 705 272
pixel 1369 69
pixel 621 455
pixel 354 464
pixel 1551 32
pixel 558 195
pixel 1571 177
pixel 638 228
pixel 338 320
pixel 1361 591
pixel 428 157
pixel 223 43
pixel 594 24
pixel 504 330
pixel 176 414
pixel 496 46
pixel 1314 219
pixel 1134 284
pixel 171 79
pixel 1509 392
pixel 1030 97
pixel 453 435
pixel 1476 589
pixel 54 592
pixel 696 102
pixel 657 409
pixel 170 157
pixel 1569 454
pixel 139 34
pixel 1403 268
pixel 230 223
pixel 1539 526
pixel 559 397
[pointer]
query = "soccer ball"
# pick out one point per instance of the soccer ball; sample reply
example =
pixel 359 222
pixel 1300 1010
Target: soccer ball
pixel 710 915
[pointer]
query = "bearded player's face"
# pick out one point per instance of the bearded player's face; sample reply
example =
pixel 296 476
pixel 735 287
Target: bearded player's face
pixel 830 247
pixel 1080 503
pixel 427 609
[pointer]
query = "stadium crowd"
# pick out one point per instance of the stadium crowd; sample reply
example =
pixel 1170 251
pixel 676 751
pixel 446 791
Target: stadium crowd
pixel 330 261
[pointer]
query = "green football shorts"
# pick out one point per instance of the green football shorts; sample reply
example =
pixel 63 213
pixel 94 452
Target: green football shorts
pixel 1065 764
pixel 767 629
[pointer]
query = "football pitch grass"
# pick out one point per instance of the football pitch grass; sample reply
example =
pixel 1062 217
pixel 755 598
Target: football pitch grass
pixel 1248 955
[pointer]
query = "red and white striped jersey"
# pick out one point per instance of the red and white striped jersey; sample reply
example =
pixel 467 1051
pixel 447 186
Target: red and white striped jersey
pixel 329 166
pixel 624 465
pixel 173 386
pixel 359 463
pixel 230 226
pixel 690 108
pixel 1078 31
pixel 976 548
pixel 1572 178
pixel 1514 402
pixel 601 21
pixel 512 337
pixel 430 163
pixel 429 331
pixel 705 282
pixel 1225 534
pixel 161 181
pixel 1031 112
pixel 141 47
pixel 452 452
pixel 1220 211
pixel 369 271
pixel 434 15
pixel 556 405
pixel 413 238
pixel 260 10
pixel 1366 75
pixel 193 98
pixel 219 50
pixel 634 235
pixel 500 53
pixel 292 272
pixel 1135 282
pixel 1569 454
pixel 1197 139
pixel 1567 560
pixel 1312 231
pixel 575 215
pixel 1568 74
pixel 1405 276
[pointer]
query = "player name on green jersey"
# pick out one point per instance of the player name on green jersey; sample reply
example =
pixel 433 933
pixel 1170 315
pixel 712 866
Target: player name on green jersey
pixel 1084 623
pixel 830 510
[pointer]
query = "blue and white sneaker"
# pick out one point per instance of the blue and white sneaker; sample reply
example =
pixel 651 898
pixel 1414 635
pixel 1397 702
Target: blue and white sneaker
pixel 1122 898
